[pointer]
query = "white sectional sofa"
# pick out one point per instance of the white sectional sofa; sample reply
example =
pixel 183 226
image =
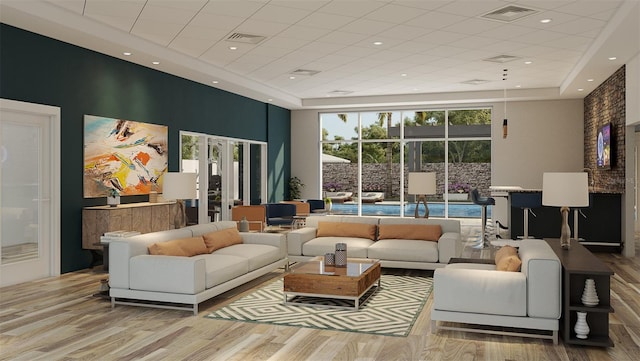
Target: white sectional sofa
pixel 134 274
pixel 411 253
pixel 473 293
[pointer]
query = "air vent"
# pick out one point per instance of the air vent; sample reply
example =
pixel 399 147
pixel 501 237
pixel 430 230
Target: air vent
pixel 475 81
pixel 509 13
pixel 305 72
pixel 340 92
pixel 245 38
pixel 502 58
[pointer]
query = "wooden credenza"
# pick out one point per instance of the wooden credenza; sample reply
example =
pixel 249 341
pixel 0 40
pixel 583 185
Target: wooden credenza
pixel 141 217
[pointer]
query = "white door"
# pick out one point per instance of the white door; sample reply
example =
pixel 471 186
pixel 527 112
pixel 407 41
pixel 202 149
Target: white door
pixel 29 192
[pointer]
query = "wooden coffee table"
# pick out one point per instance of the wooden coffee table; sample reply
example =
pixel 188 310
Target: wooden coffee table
pixel 314 279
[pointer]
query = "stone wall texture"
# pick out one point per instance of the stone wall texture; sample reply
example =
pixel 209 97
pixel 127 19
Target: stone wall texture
pixel 477 175
pixel 606 104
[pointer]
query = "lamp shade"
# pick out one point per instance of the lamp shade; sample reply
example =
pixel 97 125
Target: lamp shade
pixel 422 183
pixel 179 186
pixel 565 189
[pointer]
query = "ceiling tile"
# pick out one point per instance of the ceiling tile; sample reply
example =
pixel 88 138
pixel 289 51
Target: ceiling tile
pixel 281 14
pixel 435 20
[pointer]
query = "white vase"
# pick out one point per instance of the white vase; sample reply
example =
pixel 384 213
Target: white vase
pixel 581 328
pixel 589 295
pixel 113 201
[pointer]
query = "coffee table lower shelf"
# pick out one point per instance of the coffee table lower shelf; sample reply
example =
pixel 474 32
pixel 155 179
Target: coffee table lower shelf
pixel 310 299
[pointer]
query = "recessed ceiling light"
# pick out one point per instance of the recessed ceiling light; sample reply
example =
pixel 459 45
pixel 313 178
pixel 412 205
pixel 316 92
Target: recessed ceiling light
pixel 215 82
pixel 528 62
pixel 292 77
pixel 233 48
pixel 580 89
pixel 269 100
pixel 545 21
pixel 613 58
pixel 589 79
pixel 403 74
pixel 377 43
pixel 155 62
pixel 518 86
pixel 126 53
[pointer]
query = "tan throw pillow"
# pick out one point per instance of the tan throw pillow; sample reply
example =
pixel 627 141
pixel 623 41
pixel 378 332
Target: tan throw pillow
pixel 510 263
pixel 185 247
pixel 345 229
pixel 223 238
pixel 425 232
pixel 504 252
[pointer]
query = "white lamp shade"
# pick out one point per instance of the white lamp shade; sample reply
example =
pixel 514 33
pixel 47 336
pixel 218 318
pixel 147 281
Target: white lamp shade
pixel 422 183
pixel 179 186
pixel 565 189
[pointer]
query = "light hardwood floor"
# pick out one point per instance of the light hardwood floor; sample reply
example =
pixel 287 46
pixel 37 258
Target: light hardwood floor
pixel 60 319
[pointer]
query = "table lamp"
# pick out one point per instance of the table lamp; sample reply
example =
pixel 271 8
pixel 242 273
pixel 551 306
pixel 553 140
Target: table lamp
pixel 565 190
pixel 421 184
pixel 179 186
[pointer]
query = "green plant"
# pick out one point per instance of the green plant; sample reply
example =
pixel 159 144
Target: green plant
pixel 112 192
pixel 295 188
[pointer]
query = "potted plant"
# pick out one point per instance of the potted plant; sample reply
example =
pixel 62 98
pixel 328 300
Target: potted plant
pixel 459 191
pixel 295 188
pixel 113 197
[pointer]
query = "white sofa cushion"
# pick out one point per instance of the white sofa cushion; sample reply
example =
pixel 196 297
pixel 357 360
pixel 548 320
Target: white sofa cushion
pixel 404 250
pixel 356 247
pixel 167 274
pixel 258 255
pixel 222 268
pixel 480 291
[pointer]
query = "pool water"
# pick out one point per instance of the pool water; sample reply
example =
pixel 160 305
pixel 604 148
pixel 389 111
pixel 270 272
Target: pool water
pixel 456 210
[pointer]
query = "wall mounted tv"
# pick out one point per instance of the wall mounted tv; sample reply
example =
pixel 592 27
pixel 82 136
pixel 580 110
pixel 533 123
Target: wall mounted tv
pixel 604 153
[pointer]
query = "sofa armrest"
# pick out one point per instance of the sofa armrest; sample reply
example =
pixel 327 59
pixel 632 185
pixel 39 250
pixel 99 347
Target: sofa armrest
pixel 449 245
pixel 168 274
pixel 480 291
pixel 297 238
pixel 120 252
pixel 271 239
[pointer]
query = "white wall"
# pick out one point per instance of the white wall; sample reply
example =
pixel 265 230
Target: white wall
pixel 543 136
pixel 631 198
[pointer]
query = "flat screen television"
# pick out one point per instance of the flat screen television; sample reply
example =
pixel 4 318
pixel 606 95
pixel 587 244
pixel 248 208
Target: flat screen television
pixel 604 154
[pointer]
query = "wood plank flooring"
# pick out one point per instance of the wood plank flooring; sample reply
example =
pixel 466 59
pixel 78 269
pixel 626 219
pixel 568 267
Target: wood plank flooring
pixel 60 319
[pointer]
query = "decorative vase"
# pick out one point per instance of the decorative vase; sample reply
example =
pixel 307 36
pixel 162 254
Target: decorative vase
pixel 153 197
pixel 581 328
pixel 329 259
pixel 589 295
pixel 341 255
pixel 113 201
pixel 243 225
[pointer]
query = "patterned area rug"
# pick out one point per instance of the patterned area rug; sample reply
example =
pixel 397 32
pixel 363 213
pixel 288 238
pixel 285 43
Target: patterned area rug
pixel 391 311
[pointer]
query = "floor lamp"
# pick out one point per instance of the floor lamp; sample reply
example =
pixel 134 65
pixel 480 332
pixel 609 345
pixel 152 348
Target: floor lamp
pixel 421 184
pixel 179 186
pixel 565 190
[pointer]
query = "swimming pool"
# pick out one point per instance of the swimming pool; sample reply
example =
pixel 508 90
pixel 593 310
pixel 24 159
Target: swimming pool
pixel 456 210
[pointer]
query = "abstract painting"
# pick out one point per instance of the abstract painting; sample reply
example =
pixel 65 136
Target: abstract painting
pixel 124 156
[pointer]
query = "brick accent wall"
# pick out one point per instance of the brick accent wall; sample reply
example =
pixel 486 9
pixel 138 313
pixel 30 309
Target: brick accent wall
pixel 606 104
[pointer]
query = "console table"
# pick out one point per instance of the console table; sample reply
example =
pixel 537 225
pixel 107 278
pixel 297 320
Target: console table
pixel 579 264
pixel 141 217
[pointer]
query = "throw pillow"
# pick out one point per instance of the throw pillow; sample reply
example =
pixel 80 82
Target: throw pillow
pixel 223 238
pixel 185 247
pixel 510 263
pixel 425 232
pixel 346 229
pixel 504 252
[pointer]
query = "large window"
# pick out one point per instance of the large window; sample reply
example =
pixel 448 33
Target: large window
pixel 369 155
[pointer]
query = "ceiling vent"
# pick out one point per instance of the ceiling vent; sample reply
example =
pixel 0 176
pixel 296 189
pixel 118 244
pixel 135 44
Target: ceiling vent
pixel 245 38
pixel 340 92
pixel 475 81
pixel 509 13
pixel 304 72
pixel 502 58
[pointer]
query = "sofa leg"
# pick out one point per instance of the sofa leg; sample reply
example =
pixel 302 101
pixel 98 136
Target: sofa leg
pixel 434 326
pixel 555 337
pixel 195 309
pixel 113 302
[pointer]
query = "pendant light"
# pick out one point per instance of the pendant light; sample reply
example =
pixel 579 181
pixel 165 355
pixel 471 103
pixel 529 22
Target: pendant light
pixel 505 121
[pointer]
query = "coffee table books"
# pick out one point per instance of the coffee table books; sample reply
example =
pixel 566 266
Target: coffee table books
pixel 312 281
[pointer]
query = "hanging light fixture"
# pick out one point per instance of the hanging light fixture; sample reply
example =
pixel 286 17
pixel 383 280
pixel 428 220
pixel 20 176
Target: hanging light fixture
pixel 505 121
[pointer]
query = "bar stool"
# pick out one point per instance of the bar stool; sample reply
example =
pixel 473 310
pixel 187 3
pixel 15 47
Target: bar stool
pixel 484 202
pixel 526 201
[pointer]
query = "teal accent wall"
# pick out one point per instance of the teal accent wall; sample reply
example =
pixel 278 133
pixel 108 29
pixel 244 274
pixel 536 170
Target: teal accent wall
pixel 37 69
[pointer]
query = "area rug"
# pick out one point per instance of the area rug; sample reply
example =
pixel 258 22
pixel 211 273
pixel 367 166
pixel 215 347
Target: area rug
pixel 391 311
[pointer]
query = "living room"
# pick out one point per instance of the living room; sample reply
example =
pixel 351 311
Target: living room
pixel 547 132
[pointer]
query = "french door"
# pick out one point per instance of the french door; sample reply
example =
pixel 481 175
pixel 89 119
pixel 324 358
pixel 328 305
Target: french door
pixel 29 192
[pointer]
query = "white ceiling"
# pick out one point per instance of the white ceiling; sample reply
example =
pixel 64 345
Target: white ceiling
pixel 429 48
